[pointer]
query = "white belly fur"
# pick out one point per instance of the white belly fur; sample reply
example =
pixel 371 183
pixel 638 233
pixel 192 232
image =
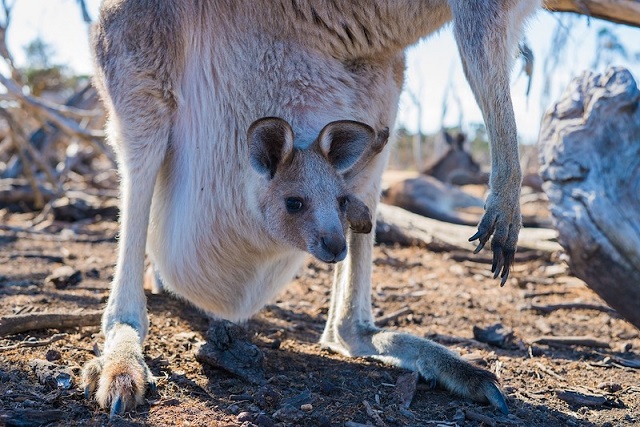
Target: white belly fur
pixel 205 236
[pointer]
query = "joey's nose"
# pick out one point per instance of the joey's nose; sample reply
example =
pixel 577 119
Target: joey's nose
pixel 335 245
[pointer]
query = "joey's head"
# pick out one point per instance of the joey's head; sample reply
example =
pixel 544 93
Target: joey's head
pixel 302 193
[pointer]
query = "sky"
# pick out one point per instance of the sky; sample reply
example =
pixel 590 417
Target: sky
pixel 431 65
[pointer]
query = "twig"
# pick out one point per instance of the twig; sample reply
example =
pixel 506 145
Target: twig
pixel 569 306
pixel 26 233
pixel 583 341
pixel 385 320
pixel 51 339
pixel 35 105
pixel 21 139
pixel 548 371
pixel 38 200
pixel 10 325
pixel 476 416
pixel 373 414
pixel 529 295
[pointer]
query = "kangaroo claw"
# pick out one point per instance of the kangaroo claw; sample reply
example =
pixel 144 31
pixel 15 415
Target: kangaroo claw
pixel 116 407
pixel 496 398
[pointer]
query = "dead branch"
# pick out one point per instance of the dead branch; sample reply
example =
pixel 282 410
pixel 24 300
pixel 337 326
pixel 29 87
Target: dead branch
pixel 569 306
pixel 36 106
pixel 386 319
pixel 10 325
pixel 620 11
pixel 23 344
pixel 20 139
pixel 548 371
pixel 582 341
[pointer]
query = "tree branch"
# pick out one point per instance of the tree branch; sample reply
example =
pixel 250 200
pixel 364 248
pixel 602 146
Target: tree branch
pixel 619 11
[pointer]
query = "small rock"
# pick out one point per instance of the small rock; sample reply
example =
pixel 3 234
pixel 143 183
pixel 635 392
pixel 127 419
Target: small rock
pixel 245 416
pixel 497 335
pixel 63 277
pixel 299 400
pixel 94 273
pixel 233 408
pixel 52 355
pixel 307 407
pixel 263 420
pixel 52 375
pixel 267 397
pixel 289 414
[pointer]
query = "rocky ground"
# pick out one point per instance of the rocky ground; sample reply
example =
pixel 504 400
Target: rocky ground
pixel 563 358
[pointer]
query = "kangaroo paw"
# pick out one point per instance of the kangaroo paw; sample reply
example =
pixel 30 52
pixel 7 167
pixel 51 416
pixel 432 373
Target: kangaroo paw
pixel 119 378
pixel 501 220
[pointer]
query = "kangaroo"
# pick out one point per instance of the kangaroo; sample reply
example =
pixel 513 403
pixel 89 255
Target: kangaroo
pixel 184 80
pixel 457 166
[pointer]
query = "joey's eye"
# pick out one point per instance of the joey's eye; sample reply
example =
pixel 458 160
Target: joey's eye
pixel 294 204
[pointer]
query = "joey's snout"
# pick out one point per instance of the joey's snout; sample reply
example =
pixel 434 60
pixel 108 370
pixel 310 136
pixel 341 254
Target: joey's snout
pixel 331 247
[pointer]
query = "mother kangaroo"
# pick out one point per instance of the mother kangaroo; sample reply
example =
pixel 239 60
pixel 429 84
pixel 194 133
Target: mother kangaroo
pixel 183 82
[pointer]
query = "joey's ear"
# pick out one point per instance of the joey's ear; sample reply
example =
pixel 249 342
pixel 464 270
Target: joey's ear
pixel 343 142
pixel 358 215
pixel 460 139
pixel 270 144
pixel 447 137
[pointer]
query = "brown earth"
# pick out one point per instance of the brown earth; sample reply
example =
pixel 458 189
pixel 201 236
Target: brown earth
pixel 546 385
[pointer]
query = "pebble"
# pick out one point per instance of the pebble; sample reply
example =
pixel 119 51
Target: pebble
pixel 245 416
pixel 53 355
pixel 63 277
pixel 289 414
pixel 233 408
pixel 610 386
pixel 267 397
pixel 307 407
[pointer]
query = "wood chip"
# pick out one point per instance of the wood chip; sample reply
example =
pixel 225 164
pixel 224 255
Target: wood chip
pixel 406 388
pixel 373 414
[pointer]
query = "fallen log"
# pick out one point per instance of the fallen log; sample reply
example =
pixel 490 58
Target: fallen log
pixel 590 162
pixel 396 225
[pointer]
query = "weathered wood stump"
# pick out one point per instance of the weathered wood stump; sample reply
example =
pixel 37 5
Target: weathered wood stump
pixel 590 162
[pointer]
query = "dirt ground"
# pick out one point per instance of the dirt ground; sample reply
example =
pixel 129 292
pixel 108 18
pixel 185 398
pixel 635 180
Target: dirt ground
pixel 438 297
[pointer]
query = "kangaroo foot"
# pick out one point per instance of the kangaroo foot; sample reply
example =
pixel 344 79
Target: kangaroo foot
pixel 120 376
